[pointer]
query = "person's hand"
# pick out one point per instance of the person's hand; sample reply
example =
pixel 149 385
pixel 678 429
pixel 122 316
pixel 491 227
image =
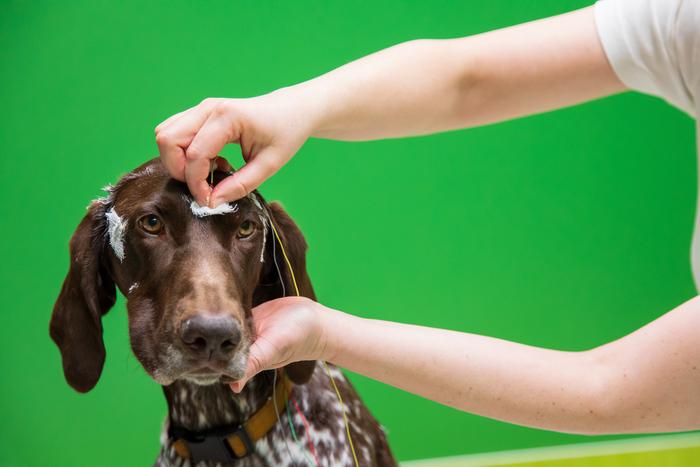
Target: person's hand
pixel 270 129
pixel 287 330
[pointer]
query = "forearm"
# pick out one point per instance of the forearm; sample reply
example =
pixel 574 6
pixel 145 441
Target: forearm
pixel 427 86
pixel 482 375
pixel 645 382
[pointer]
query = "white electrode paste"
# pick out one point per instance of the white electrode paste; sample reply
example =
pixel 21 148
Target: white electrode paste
pixel 204 211
pixel 115 229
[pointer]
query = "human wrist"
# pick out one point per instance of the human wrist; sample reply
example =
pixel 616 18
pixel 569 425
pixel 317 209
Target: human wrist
pixel 329 322
pixel 305 103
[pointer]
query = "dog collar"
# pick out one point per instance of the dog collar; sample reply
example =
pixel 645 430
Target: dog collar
pixel 225 444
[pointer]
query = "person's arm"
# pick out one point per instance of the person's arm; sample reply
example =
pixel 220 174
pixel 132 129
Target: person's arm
pixel 648 381
pixel 414 88
pixel 427 86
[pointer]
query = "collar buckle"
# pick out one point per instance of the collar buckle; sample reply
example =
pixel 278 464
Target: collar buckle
pixel 214 445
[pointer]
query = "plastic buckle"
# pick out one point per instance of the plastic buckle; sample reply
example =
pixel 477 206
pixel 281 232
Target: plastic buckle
pixel 209 448
pixel 213 446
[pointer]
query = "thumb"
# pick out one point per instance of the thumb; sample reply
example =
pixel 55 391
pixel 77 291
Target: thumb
pixel 254 367
pixel 247 178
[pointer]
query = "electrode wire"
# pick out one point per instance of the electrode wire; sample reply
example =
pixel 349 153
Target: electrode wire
pixel 274 259
pixel 308 431
pixel 294 435
pixel 328 371
pixel 291 426
pixel 277 412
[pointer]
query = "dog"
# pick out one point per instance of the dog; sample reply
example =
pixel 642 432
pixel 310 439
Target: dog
pixel 191 276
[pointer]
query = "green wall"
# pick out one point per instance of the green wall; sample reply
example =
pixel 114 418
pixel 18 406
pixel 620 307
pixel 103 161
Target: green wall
pixel 563 230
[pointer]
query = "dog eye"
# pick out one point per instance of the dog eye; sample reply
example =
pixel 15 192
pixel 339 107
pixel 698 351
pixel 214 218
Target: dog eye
pixel 246 229
pixel 151 224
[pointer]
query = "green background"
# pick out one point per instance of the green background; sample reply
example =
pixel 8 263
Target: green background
pixel 563 230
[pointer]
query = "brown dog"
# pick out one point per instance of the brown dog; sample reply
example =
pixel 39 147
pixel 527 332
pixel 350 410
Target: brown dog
pixel 191 276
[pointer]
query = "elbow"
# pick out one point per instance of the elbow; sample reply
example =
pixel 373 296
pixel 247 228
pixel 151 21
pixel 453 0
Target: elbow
pixel 605 398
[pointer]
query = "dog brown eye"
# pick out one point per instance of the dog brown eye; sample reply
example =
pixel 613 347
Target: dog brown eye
pixel 245 229
pixel 151 224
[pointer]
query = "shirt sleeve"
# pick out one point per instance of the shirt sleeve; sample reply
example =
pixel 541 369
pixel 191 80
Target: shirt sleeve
pixel 653 46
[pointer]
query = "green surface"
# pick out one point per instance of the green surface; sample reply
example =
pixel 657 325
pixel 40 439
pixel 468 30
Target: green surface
pixel 681 450
pixel 668 458
pixel 563 230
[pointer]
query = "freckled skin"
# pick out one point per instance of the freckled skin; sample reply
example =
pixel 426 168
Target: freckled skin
pixel 199 264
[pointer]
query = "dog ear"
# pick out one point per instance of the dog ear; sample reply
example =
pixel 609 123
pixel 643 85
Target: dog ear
pixel 87 293
pixel 295 247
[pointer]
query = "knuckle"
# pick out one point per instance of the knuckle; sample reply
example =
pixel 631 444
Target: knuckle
pixel 241 189
pixel 193 153
pixel 256 363
pixel 162 137
pixel 224 108
pixel 303 304
pixel 236 190
pixel 275 163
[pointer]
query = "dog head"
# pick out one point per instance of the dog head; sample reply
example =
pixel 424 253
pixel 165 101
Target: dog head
pixel 191 276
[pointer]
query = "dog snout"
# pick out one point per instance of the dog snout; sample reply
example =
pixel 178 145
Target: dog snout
pixel 211 337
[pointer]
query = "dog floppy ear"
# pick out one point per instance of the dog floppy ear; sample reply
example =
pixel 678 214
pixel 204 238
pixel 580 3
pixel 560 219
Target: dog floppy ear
pixel 87 293
pixel 295 247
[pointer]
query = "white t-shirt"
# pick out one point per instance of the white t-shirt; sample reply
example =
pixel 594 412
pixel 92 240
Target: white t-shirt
pixel 654 47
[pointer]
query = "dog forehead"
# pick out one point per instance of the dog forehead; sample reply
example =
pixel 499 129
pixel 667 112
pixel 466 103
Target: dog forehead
pixel 139 186
pixel 151 185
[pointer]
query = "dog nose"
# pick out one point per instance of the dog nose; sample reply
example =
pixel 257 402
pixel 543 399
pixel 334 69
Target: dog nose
pixel 213 337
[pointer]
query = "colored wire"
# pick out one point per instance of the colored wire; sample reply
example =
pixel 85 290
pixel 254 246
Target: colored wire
pixel 294 435
pixel 286 259
pixel 342 408
pixel 308 431
pixel 328 371
pixel 277 266
pixel 277 412
pixel 289 418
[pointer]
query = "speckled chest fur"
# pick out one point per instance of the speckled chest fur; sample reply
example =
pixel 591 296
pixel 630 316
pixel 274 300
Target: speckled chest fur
pixel 202 408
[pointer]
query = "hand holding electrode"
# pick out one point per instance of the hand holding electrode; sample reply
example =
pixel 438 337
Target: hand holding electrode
pixel 267 128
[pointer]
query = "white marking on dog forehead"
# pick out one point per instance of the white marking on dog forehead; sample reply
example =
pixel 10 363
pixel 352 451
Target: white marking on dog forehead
pixel 116 226
pixel 204 211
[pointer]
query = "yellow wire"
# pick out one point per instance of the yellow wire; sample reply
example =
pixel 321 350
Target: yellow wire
pixel 328 371
pixel 342 407
pixel 286 259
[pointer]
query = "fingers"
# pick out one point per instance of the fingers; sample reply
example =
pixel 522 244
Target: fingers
pixel 175 134
pixel 164 124
pixel 237 386
pixel 172 155
pixel 214 134
pixel 246 179
pixel 196 172
pixel 254 367
pixel 188 141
